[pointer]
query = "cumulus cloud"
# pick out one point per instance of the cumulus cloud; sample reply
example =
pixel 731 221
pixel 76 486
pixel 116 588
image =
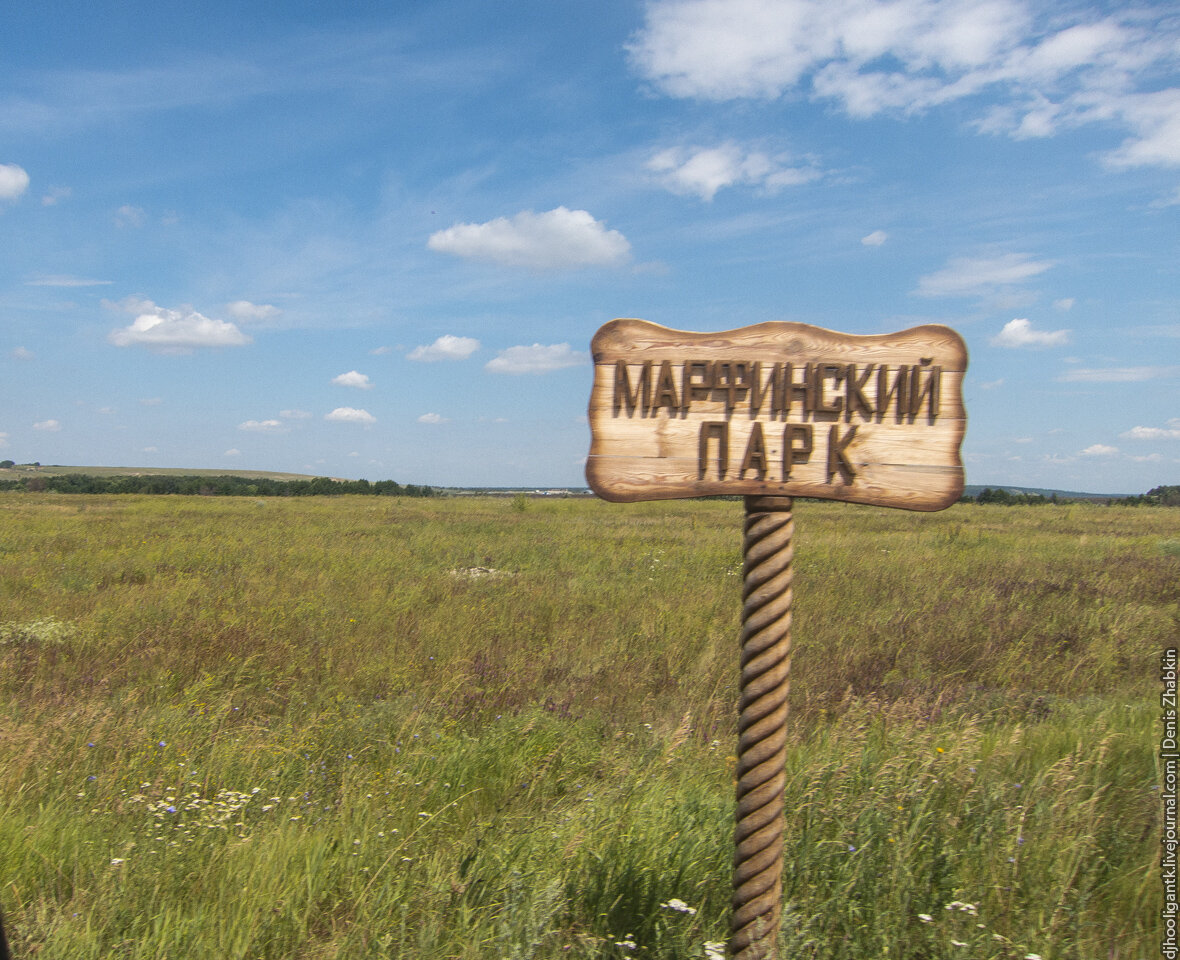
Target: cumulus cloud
pixel 875 239
pixel 247 312
pixel 232 452
pixel 536 359
pixel 1170 432
pixel 172 331
pixel 263 426
pixel 14 181
pixel 1019 333
pixel 1044 69
pixel 703 171
pixel 22 353
pixel 433 418
pixel 54 196
pixel 553 240
pixel 446 347
pixel 353 379
pixel 350 415
pixel 129 216
pixel 51 426
pixel 980 276
pixel 1099 450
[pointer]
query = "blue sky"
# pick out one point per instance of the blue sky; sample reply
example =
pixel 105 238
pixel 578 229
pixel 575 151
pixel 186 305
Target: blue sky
pixel 368 240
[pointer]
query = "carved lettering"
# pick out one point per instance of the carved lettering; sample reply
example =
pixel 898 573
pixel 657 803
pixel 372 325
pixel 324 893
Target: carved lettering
pixel 824 371
pixel 666 391
pixel 639 397
pixel 718 431
pixel 775 384
pixel 797 446
pixel 928 390
pixel 838 461
pixel 855 400
pixel 896 393
pixel 755 456
pixel 803 390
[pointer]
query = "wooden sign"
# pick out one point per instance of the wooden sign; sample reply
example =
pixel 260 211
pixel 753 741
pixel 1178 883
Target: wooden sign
pixel 777 409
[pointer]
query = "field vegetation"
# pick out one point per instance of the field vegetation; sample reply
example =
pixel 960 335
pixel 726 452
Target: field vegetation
pixel 369 727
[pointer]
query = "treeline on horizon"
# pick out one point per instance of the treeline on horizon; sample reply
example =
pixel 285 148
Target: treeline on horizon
pixel 222 486
pixel 1165 496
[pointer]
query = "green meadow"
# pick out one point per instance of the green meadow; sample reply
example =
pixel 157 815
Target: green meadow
pixel 352 727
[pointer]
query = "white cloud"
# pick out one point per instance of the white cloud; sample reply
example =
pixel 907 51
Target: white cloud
pixel 553 240
pixel 232 452
pixel 1170 432
pixel 1065 303
pixel 1099 450
pixel 263 426
pixel 22 353
pixel 705 170
pixel 991 384
pixel 3 439
pixel 536 359
pixel 446 347
pixel 295 414
pixel 980 276
pixel 129 216
pixel 1019 333
pixel 875 239
pixel 248 312
pixel 350 415
pixel 1116 375
pixel 14 181
pixel 380 351
pixel 51 426
pixel 64 280
pixel 172 330
pixel 353 379
pixel 433 418
pixel 55 196
pixel 1044 68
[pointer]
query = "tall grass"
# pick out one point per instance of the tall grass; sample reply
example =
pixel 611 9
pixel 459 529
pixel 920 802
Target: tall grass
pixel 311 729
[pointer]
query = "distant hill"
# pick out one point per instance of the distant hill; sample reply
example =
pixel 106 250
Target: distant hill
pixel 58 470
pixel 975 489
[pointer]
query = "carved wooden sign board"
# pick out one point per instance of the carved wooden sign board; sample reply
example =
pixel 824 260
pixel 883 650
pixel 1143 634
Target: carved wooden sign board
pixel 777 409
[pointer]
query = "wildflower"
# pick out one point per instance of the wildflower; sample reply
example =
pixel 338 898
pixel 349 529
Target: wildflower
pixel 958 943
pixel 162 743
pixel 925 918
pixel 627 943
pixel 714 950
pixel 116 861
pixel 1032 956
pixel 940 750
pixel 679 906
pixel 170 808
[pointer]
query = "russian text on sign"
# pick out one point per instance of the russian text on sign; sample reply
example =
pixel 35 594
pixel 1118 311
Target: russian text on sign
pixel 777 409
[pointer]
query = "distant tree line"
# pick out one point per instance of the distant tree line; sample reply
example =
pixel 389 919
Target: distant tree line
pixel 1166 496
pixel 223 486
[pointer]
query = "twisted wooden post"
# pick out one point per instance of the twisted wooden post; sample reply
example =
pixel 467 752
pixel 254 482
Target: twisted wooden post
pixel 762 733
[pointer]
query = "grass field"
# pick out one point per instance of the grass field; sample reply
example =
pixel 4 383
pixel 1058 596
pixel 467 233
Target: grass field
pixel 307 729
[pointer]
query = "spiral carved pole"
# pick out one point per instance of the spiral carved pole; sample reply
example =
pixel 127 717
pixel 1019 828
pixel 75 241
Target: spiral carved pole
pixel 762 728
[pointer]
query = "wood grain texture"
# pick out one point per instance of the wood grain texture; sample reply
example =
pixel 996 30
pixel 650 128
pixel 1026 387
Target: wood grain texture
pixel 653 445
